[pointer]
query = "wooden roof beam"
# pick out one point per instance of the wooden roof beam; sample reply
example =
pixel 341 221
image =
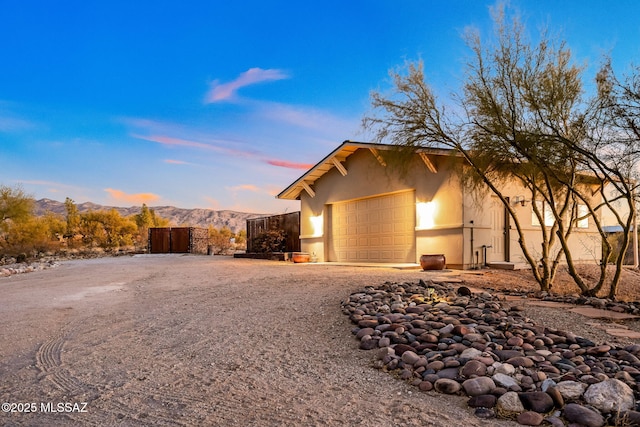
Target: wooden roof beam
pixel 339 166
pixel 308 189
pixel 425 158
pixel 377 155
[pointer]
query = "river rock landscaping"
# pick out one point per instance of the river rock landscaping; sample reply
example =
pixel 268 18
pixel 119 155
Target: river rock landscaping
pixel 12 267
pixel 446 338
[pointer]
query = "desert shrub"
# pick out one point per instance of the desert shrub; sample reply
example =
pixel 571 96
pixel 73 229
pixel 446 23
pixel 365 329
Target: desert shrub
pixel 270 241
pixel 107 229
pixel 33 235
pixel 241 240
pixel 615 239
pixel 221 240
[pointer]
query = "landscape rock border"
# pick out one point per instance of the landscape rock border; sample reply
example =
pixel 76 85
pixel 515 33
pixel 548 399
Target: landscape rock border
pixel 629 307
pixel 453 341
pixel 26 267
pixel 10 265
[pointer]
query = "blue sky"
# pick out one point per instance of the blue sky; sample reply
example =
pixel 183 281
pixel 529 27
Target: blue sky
pixel 222 104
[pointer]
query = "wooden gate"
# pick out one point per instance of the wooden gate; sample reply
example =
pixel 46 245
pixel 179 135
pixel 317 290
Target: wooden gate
pixel 170 240
pixel 160 240
pixel 179 240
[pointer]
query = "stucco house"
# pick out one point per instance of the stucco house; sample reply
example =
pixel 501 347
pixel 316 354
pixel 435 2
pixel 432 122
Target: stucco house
pixel 355 208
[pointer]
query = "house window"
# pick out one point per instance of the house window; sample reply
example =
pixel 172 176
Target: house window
pixel 583 219
pixel 543 207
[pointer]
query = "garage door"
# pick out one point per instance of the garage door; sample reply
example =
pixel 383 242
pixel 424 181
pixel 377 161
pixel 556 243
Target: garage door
pixel 377 229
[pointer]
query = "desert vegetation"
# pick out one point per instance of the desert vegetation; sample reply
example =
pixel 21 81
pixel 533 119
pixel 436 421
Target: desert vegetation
pixel 224 241
pixel 24 235
pixel 525 113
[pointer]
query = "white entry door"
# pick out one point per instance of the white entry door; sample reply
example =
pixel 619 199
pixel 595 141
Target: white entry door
pixel 497 250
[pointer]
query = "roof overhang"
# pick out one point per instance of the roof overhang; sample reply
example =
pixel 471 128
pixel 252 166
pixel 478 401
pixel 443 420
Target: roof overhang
pixel 337 157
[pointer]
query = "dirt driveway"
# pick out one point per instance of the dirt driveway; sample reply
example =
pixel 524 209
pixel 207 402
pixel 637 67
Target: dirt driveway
pixel 168 340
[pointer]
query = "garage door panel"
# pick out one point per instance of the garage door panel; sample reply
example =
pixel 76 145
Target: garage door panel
pixel 360 230
pixel 386 215
pixel 397 254
pixel 389 256
pixel 400 241
pixel 399 228
pixel 387 240
pixel 380 229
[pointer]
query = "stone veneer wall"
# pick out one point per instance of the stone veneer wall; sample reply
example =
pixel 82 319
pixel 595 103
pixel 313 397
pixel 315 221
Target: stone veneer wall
pixel 199 243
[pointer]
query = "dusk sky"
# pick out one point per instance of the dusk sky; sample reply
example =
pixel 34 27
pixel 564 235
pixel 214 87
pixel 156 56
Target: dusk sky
pixel 222 104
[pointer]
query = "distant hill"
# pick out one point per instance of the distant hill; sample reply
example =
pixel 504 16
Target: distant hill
pixel 234 220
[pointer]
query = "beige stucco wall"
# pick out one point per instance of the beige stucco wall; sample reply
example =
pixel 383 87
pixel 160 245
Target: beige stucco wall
pixel 584 243
pixel 366 177
pixel 453 211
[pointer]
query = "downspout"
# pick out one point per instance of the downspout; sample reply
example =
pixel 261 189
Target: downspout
pixel 635 232
pixel 506 232
pixel 473 266
pixel 463 239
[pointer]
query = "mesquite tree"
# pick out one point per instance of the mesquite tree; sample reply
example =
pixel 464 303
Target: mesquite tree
pixel 612 153
pixel 520 115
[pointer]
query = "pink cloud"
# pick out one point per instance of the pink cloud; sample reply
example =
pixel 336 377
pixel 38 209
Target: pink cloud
pixel 212 203
pixel 167 140
pixel 223 91
pixel 289 165
pixel 273 190
pixel 245 187
pixel 179 142
pixel 137 199
pixel 218 146
pixel 176 162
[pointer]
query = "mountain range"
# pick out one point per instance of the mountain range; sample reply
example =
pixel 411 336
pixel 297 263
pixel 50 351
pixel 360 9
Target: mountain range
pixel 235 221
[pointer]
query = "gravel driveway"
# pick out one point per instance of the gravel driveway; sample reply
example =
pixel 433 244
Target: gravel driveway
pixel 168 340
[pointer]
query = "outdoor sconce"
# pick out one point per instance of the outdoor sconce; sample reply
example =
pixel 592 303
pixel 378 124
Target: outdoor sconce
pixel 425 214
pixel 520 199
pixel 317 223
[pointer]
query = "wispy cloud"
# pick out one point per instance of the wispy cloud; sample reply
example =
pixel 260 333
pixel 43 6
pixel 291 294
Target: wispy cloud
pixel 14 124
pixel 179 142
pixel 225 91
pixel 42 182
pixel 288 164
pixel 245 187
pixel 210 145
pixel 176 162
pixel 319 121
pixel 139 198
pixel 52 186
pixel 274 190
pixel 211 203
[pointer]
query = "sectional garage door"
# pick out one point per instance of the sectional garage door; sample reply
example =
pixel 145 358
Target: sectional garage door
pixel 376 229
